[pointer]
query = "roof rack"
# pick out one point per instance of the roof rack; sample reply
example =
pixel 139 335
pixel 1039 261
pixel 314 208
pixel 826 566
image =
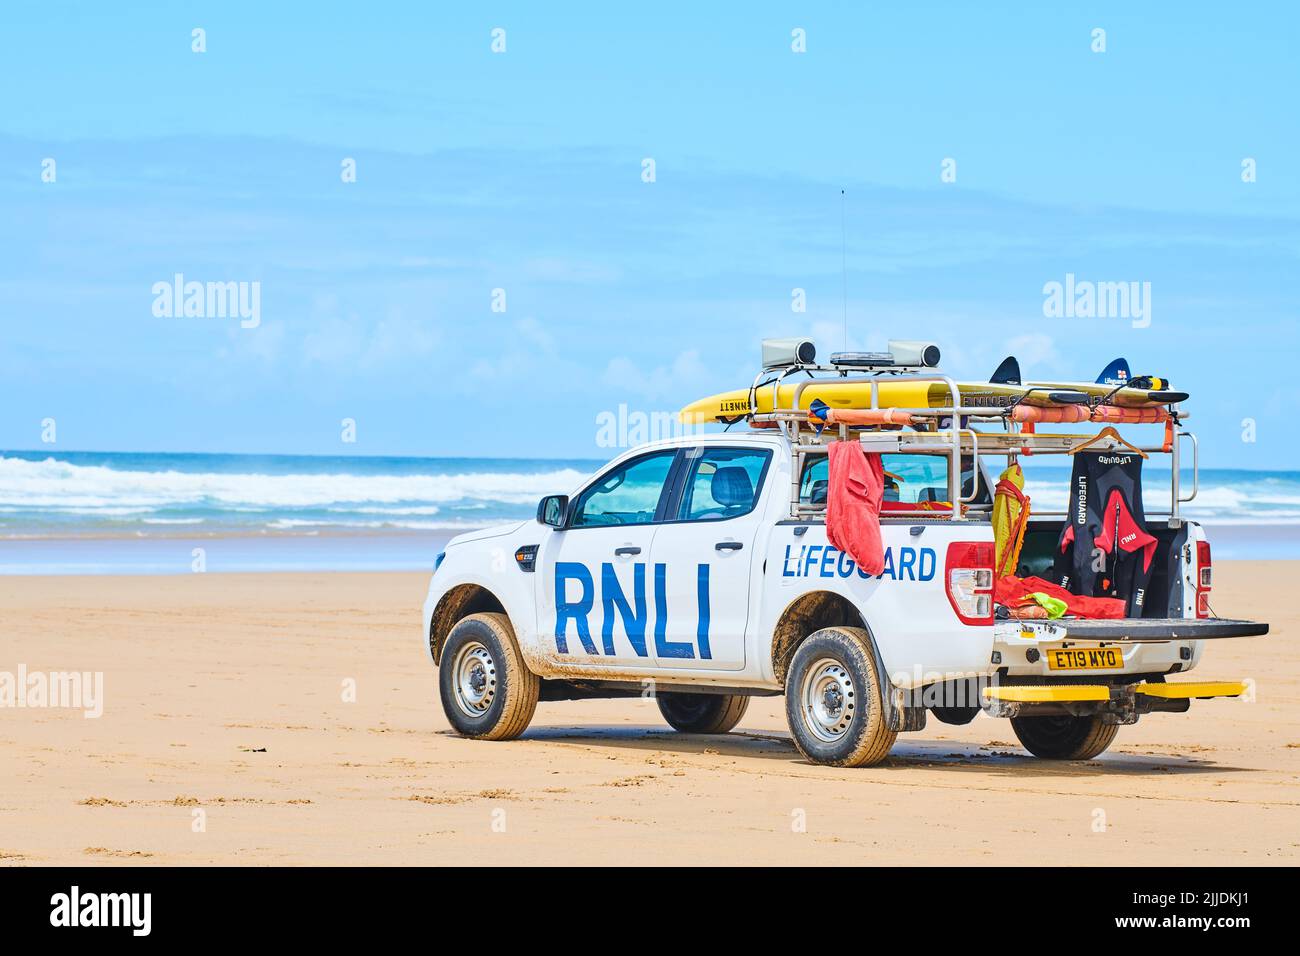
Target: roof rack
pixel 949 433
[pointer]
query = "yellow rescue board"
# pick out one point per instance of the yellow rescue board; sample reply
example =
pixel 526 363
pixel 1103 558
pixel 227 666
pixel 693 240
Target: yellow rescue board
pixel 728 406
pixel 735 404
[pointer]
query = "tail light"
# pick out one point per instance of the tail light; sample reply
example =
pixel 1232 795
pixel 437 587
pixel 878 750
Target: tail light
pixel 1204 578
pixel 968 570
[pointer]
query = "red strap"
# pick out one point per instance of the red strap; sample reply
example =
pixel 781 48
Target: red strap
pixel 1011 488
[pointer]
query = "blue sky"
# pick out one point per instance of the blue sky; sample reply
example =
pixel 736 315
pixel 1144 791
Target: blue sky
pixel 522 171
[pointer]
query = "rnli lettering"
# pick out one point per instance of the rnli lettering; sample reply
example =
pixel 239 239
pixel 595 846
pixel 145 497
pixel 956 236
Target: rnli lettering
pixel 575 600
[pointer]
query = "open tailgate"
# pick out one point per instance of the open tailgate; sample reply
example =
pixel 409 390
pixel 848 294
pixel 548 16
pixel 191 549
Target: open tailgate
pixel 1146 630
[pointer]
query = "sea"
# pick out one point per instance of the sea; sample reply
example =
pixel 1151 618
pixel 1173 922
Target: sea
pixel 152 513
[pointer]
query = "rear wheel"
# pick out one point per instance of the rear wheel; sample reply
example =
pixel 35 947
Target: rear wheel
pixel 702 713
pixel 1063 737
pixel 832 700
pixel 487 691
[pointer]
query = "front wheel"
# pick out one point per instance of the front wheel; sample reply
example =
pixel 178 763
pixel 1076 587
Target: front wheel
pixel 702 713
pixel 487 690
pixel 1063 737
pixel 832 700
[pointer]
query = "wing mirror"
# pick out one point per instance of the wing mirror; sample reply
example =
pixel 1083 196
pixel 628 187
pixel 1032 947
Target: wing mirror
pixel 552 510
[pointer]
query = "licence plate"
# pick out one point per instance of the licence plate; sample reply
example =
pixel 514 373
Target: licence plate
pixel 1085 659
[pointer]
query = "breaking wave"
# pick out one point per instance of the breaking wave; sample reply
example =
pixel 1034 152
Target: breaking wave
pixel 55 495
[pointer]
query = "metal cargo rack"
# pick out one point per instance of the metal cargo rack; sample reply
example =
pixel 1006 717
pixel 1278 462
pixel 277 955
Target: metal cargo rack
pixel 953 439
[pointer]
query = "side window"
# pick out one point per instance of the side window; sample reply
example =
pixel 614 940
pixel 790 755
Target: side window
pixel 723 483
pixel 915 479
pixel 909 479
pixel 813 483
pixel 918 479
pixel 627 495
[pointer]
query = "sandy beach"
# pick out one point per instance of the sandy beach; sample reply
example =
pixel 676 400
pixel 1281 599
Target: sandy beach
pixel 227 736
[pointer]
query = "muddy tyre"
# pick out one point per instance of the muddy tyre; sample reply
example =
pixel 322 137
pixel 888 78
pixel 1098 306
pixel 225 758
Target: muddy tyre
pixel 487 691
pixel 702 713
pixel 1063 737
pixel 832 700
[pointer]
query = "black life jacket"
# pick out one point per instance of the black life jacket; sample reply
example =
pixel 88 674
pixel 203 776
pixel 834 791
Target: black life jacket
pixel 1104 549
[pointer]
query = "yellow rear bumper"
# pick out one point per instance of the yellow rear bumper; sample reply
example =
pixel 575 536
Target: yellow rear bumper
pixel 1201 691
pixel 1049 693
pixel 1044 693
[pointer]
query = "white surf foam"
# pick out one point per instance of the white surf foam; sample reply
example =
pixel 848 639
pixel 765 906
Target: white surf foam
pixel 53 485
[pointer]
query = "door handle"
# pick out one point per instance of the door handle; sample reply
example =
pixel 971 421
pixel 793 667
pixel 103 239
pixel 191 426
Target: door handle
pixel 619 552
pixel 728 546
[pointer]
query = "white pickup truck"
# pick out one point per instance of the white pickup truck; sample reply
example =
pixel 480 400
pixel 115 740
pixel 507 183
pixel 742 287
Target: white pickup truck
pixel 698 569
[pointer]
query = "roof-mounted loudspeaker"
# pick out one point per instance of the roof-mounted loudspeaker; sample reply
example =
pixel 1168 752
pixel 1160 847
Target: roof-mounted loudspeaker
pixel 916 354
pixel 779 353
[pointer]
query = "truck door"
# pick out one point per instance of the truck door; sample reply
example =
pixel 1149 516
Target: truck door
pixel 703 556
pixel 595 583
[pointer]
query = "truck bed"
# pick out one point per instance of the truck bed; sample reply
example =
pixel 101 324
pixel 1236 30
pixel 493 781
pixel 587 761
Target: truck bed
pixel 1164 590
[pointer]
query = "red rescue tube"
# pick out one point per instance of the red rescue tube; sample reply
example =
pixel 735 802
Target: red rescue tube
pixel 1132 416
pixel 867 416
pixel 1082 413
pixel 1052 414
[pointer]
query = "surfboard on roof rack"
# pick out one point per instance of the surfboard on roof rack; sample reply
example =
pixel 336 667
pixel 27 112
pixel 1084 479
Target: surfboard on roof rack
pixel 890 390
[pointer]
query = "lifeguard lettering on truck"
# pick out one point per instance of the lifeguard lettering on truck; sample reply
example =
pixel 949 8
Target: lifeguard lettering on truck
pixel 700 567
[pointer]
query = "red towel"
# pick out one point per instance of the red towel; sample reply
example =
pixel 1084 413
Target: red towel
pixel 856 486
pixel 1014 592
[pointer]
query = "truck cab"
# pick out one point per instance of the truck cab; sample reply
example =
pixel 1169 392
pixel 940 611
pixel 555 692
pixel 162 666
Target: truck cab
pixel 699 570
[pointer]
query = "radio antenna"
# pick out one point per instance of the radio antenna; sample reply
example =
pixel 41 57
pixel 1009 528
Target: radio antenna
pixel 844 270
